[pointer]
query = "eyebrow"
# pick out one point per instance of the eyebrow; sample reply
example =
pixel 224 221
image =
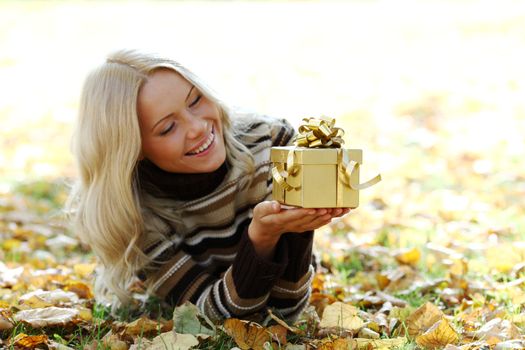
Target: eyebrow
pixel 171 114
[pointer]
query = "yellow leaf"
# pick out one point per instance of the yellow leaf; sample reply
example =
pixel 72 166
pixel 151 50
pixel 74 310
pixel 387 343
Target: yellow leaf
pixel 81 289
pixel 422 319
pixel 141 326
pixel 25 341
pixel 113 342
pixel 437 336
pixel 409 256
pixel 247 335
pixel 34 302
pixel 11 244
pixel 85 314
pixel 341 315
pixel 84 270
pixel 392 343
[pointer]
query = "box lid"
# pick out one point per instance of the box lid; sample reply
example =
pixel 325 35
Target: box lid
pixel 304 155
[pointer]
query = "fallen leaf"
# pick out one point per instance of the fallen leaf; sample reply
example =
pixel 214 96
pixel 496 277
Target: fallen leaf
pixel 437 336
pixel 173 341
pixel 52 297
pixel 341 315
pixel 141 327
pixel 84 270
pixel 81 289
pixel 422 319
pixel 34 302
pixel 408 256
pixel 247 335
pixel 113 342
pixel 278 333
pixel 5 322
pixel 187 318
pixel 45 317
pixel 498 328
pixel 292 329
pixel 366 344
pixel 25 341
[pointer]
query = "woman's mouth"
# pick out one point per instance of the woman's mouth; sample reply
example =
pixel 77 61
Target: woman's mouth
pixel 204 147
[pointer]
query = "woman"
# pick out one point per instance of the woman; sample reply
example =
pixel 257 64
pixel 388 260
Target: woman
pixel 173 188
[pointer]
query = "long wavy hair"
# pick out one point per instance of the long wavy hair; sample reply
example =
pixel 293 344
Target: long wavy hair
pixel 105 204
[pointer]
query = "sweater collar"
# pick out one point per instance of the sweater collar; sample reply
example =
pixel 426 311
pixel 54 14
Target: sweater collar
pixel 164 184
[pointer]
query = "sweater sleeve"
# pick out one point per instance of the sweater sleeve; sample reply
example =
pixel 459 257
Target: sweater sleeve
pixel 290 293
pixel 242 290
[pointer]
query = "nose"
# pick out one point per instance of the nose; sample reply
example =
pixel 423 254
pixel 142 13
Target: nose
pixel 196 127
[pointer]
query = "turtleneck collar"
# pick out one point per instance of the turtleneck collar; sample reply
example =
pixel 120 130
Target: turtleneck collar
pixel 180 186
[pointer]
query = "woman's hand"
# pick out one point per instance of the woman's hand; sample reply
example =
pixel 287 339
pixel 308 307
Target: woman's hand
pixel 270 221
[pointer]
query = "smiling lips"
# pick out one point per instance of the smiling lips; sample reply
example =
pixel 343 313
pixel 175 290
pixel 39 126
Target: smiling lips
pixel 204 146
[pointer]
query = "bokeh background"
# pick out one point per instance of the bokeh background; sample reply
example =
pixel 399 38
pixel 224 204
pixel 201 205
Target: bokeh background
pixel 433 91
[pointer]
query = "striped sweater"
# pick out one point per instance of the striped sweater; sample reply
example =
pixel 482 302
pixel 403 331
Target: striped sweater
pixel 200 248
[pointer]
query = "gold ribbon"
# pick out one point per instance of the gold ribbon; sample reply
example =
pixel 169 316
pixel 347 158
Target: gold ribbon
pixel 319 133
pixel 347 168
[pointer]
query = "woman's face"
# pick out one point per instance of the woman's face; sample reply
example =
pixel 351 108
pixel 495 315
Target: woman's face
pixel 181 129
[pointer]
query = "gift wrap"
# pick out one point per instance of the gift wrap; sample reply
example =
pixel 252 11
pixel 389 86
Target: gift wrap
pixel 319 176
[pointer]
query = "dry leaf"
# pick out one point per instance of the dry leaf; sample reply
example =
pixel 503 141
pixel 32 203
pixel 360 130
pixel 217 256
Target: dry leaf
pixel 52 297
pixel 292 329
pixel 141 327
pixel 278 333
pixel 187 318
pixel 34 302
pixel 422 319
pixel 5 321
pixel 408 256
pixel 439 335
pixel 173 341
pixel 45 317
pixel 341 315
pixel 366 344
pixel 247 335
pixel 497 328
pixel 84 270
pixel 25 341
pixel 113 342
pixel 81 289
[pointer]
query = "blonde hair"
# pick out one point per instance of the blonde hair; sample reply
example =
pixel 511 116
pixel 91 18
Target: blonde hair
pixel 106 203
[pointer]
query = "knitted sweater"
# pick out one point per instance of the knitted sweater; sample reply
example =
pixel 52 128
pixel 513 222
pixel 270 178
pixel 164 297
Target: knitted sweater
pixel 199 245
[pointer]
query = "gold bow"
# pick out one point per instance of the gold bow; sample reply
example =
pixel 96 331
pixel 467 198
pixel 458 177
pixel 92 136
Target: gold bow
pixel 319 133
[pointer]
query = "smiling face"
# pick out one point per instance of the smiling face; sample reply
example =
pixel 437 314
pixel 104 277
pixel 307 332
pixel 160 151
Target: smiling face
pixel 181 129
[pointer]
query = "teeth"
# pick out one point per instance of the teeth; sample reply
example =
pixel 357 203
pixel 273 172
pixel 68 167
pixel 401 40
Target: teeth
pixel 205 146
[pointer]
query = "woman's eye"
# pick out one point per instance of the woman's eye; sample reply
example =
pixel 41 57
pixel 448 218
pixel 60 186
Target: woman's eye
pixel 167 130
pixel 196 100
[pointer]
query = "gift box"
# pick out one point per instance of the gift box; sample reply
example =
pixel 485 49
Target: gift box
pixel 317 172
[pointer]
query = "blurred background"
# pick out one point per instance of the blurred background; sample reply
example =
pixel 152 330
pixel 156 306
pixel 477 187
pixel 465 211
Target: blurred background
pixel 433 91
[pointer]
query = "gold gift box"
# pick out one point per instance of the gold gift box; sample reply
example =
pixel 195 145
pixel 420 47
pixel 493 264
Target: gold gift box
pixel 318 177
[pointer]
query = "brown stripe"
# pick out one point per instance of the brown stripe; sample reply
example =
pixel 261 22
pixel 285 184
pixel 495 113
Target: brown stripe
pixel 216 205
pixel 193 288
pixel 238 301
pixel 172 281
pixel 291 286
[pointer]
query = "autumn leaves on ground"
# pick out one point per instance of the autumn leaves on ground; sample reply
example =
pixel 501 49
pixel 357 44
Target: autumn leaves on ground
pixel 433 258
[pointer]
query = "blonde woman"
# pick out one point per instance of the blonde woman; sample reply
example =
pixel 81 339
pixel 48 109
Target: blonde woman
pixel 173 190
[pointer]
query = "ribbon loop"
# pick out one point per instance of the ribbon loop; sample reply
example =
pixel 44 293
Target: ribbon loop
pixel 319 133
